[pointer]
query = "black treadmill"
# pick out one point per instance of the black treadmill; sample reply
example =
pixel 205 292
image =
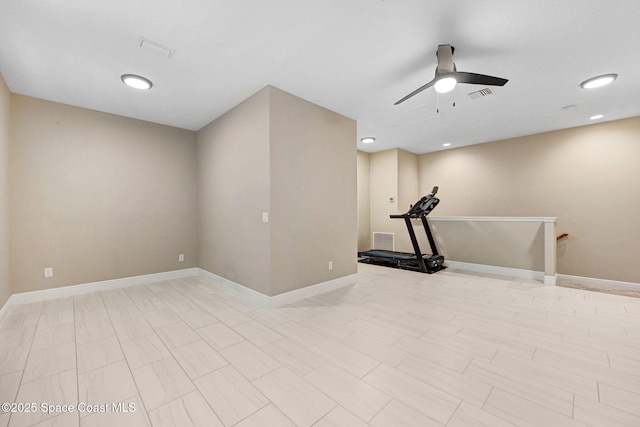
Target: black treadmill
pixel 416 261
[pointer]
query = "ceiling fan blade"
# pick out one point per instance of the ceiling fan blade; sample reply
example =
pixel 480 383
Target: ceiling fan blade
pixel 479 79
pixel 415 92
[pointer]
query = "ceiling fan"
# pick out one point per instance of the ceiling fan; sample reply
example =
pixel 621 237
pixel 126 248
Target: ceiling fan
pixel 447 76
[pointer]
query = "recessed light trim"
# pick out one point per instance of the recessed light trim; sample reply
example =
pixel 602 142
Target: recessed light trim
pixel 445 84
pixel 598 81
pixel 136 82
pixel 368 140
pixel 596 117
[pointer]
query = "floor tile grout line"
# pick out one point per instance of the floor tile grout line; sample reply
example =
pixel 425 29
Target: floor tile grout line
pixel 485 404
pixel 381 409
pixel 24 368
pixel 75 348
pixel 146 412
pixel 196 389
pixel 534 403
pixel 454 411
pixel 409 404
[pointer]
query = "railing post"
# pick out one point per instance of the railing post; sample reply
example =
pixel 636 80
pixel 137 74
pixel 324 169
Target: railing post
pixel 550 268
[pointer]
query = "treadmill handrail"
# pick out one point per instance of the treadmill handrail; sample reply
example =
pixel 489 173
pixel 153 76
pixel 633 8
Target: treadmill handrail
pixel 420 209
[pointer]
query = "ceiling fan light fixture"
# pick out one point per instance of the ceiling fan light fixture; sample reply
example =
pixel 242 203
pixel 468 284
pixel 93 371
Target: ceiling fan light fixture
pixel 368 140
pixel 445 84
pixel 447 76
pixel 598 81
pixel 136 82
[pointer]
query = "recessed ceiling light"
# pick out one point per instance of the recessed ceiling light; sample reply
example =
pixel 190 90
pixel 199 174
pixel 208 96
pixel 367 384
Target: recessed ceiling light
pixel 368 140
pixel 598 81
pixel 446 144
pixel 445 84
pixel 596 117
pixel 136 82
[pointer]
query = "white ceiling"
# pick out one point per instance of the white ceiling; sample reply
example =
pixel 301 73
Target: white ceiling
pixel 355 57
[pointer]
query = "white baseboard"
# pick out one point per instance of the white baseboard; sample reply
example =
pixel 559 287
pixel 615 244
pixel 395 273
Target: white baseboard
pixel 284 298
pixel 295 295
pixel 500 271
pixel 241 290
pixel 309 291
pixel 599 283
pixel 540 276
pixel 105 285
pixel 5 308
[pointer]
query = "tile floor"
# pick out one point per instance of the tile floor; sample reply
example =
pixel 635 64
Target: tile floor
pixel 396 349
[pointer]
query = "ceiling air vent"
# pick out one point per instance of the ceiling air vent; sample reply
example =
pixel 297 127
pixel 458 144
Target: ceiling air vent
pixel 155 47
pixel 480 93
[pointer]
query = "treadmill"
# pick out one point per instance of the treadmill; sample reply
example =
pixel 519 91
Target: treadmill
pixel 416 261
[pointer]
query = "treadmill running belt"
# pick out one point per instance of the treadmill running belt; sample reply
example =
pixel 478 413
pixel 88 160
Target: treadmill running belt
pixel 388 254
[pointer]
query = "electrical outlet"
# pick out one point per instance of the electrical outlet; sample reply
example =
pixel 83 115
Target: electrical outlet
pixel 180 257
pixel 330 265
pixel 48 272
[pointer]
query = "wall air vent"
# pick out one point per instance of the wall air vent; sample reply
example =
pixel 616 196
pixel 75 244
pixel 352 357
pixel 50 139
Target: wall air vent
pixel 481 93
pixel 383 241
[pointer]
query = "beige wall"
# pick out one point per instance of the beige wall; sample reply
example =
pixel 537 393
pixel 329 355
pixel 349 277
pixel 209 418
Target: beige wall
pixel 503 244
pixel 97 196
pixel 394 173
pixel 383 167
pixel 407 180
pixel 588 177
pixel 364 201
pixel 5 276
pixel 313 193
pixel 279 154
pixel 234 185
